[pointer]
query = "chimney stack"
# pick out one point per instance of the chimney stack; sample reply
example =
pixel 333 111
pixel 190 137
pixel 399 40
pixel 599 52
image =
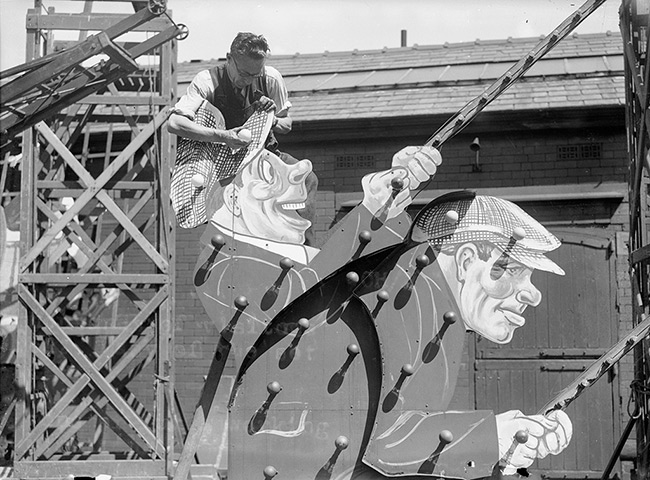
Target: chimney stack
pixel 403 44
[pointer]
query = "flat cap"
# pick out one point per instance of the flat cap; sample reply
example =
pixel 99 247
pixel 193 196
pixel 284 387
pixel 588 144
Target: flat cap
pixel 460 217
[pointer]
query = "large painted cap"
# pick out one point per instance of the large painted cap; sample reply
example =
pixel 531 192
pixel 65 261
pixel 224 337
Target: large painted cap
pixel 461 217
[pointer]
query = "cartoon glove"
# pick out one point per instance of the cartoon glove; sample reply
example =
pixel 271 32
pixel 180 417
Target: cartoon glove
pixel 549 433
pixel 421 163
pixel 411 166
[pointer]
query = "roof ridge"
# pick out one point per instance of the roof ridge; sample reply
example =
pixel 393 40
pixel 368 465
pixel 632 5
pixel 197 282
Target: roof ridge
pixel 417 47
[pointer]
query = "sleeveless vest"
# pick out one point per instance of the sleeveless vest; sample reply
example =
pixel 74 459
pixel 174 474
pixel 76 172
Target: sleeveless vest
pixel 237 108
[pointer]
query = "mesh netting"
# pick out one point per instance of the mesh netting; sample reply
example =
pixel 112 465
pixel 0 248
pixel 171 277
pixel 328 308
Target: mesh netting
pixel 213 161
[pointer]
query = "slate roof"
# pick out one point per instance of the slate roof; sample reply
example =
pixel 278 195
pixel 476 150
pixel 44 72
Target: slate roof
pixel 581 71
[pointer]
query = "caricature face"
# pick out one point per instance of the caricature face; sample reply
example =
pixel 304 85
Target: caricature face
pixel 271 193
pixel 494 293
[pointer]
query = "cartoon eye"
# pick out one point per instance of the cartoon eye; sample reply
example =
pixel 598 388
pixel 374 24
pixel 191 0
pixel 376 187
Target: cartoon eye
pixel 515 270
pixel 498 269
pixel 266 171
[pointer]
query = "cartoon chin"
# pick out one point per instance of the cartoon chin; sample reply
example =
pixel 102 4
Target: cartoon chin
pixel 500 333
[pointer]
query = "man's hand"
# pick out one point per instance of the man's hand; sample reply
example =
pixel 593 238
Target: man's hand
pixel 549 433
pixel 264 104
pixel 411 166
pixel 421 162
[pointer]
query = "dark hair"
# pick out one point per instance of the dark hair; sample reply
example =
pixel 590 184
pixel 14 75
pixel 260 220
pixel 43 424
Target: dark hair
pixel 250 45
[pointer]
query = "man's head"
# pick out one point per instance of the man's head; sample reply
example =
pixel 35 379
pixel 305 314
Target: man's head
pixel 490 248
pixel 247 58
pixel 263 199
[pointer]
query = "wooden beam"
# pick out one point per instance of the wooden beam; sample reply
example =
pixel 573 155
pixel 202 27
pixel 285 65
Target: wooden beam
pixel 123 100
pixel 94 278
pixel 96 21
pixel 73 188
pixel 131 469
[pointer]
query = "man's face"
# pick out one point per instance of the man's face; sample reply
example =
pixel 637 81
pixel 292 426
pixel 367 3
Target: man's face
pixel 244 70
pixel 495 294
pixel 272 191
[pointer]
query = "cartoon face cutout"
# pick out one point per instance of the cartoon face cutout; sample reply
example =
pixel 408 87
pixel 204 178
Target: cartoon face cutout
pixel 268 196
pixel 494 293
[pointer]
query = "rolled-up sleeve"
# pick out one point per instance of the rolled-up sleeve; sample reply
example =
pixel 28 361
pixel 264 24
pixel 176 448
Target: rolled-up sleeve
pixel 200 89
pixel 278 91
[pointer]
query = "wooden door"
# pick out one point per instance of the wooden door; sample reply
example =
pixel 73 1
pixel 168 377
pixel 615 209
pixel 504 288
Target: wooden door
pixel 574 325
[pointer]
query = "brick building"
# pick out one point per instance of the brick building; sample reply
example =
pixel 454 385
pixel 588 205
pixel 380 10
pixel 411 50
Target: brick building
pixel 554 143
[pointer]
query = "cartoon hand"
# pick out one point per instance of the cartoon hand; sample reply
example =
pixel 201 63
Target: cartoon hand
pixel 549 433
pixel 381 195
pixel 421 163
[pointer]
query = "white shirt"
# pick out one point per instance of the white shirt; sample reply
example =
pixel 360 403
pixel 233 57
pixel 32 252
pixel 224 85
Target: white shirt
pixel 202 87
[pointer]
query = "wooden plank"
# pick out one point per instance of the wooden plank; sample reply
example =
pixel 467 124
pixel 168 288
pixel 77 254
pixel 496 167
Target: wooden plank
pixel 7 414
pixel 118 343
pixel 74 189
pixel 24 329
pixel 640 254
pixel 60 45
pixel 542 353
pixel 59 64
pixel 124 100
pixel 96 21
pixel 94 278
pixel 92 331
pixel 63 468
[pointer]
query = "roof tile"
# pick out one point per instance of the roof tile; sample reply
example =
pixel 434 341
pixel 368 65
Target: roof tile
pixel 591 75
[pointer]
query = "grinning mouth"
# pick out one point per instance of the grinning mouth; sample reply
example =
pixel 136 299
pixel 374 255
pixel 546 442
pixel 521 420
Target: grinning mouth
pixel 292 206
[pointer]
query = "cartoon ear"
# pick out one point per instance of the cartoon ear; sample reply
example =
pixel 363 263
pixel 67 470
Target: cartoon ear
pixel 231 199
pixel 465 256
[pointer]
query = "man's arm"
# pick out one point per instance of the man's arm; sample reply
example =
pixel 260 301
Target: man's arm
pixel 184 127
pixel 181 122
pixel 279 95
pixel 282 125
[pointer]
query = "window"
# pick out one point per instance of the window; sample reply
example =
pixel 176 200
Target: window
pixel 355 161
pixel 583 151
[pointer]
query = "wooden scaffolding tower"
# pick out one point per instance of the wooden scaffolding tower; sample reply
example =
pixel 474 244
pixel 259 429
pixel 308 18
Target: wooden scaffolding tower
pixel 635 29
pixel 97 237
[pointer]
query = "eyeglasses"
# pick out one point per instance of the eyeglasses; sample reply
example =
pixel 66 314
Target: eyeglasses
pixel 245 74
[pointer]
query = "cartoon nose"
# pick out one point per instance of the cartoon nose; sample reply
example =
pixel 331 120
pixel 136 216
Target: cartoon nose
pixel 300 171
pixel 529 295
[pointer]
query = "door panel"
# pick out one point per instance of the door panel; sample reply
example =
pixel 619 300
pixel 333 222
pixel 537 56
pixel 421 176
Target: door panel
pixel 574 324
